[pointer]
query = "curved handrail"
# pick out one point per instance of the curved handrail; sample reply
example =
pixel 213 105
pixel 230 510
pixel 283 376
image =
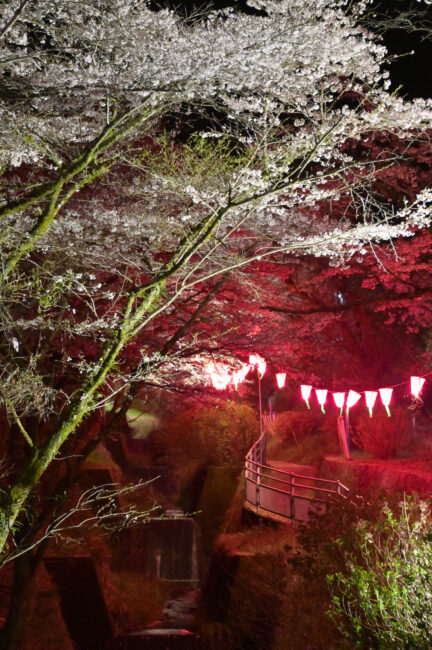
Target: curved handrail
pixel 274 491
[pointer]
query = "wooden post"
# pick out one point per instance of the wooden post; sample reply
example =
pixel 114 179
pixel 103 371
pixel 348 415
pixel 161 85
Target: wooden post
pixel 258 484
pixel 292 496
pixel 344 437
pixel 262 431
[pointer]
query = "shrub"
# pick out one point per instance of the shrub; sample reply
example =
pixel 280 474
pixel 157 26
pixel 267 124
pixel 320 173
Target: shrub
pixel 319 551
pixel 199 436
pixel 383 436
pixel 371 562
pixel 295 426
pixel 382 597
pixel 302 437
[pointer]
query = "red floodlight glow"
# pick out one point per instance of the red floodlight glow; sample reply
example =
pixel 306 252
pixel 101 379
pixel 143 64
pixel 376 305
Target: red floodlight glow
pixel 370 397
pixel 386 395
pixel 339 399
pixel 417 385
pixel 305 393
pixel 280 378
pixel 321 397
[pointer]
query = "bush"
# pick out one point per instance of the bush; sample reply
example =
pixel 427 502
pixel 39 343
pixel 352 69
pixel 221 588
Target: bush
pixel 318 548
pixel 372 563
pixel 382 597
pixel 199 436
pixel 383 436
pixel 295 426
pixel 302 437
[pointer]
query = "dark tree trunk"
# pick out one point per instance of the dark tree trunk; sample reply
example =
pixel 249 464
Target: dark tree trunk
pixel 25 566
pixel 12 636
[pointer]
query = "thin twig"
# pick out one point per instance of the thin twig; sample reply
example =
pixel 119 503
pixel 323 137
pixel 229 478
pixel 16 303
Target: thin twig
pixel 16 419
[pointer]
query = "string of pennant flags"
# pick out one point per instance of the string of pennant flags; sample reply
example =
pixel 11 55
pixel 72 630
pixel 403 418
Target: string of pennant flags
pixel 347 400
pixel 221 377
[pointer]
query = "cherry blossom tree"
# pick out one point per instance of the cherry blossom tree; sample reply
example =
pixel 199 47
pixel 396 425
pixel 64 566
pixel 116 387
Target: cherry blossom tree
pixel 364 321
pixel 109 222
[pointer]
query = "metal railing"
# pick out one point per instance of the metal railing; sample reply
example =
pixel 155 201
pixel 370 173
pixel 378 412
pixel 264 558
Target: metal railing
pixel 285 494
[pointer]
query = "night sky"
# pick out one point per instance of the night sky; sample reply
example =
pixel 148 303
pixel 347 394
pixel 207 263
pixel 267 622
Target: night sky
pixel 412 72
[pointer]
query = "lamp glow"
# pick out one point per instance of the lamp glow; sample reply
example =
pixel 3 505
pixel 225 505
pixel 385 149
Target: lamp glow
pixel 258 362
pixel 219 375
pixel 417 385
pixel 321 397
pixel 339 399
pixel 386 395
pixel 370 397
pixel 305 393
pixel 280 379
pixel 240 375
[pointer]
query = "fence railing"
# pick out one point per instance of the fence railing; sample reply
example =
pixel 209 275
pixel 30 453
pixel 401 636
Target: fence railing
pixel 285 494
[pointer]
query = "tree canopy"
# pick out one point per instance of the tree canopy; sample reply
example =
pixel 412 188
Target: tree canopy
pixel 150 163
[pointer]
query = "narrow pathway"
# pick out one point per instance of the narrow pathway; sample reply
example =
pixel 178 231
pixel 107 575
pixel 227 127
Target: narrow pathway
pixel 172 632
pixel 180 611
